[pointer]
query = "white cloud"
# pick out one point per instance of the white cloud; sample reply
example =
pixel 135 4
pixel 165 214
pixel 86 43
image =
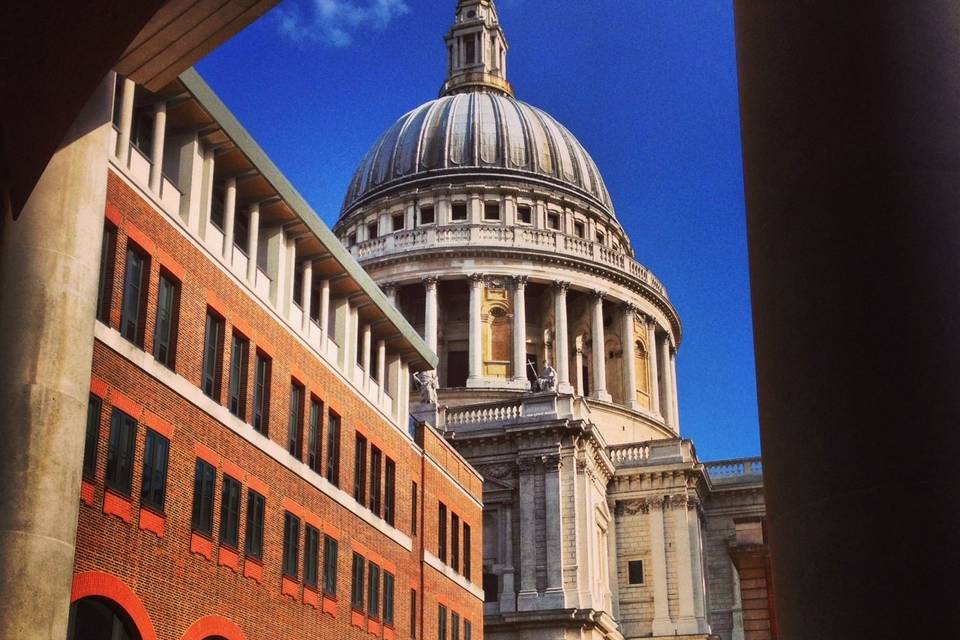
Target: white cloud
pixel 335 22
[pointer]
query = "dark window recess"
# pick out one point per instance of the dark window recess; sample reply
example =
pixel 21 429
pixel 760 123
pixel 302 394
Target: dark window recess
pixel 256 505
pixel 491 587
pixel 295 423
pixel 123 439
pixel 458 211
pixel 313 437
pixel 204 481
pixel 133 311
pixel 311 556
pixel 376 471
pixel 239 358
pixel 471 48
pixel 360 470
pixel 455 541
pixel 600 237
pixel 442 532
pixel 524 214
pixel 165 333
pixel 454 626
pixel 467 630
pixel 553 221
pixel 635 571
pixel 330 566
pixel 373 591
pixel 398 222
pixel 212 355
pixel 390 491
pixel 532 370
pixel 291 542
pixel 261 394
pixel 356 589
pixel 351 239
pixel 107 261
pixel 458 368
pixel 230 512
pixel 241 230
pixel 372 231
pixel 388 588
pixel 333 449
pixel 413 613
pixel 491 212
pixel 441 622
pixel 141 134
pixel 427 215
pixel 579 230
pixel 156 455
pixel 92 440
pixel 298 286
pixel 413 508
pixel 467 567
pixel 216 208
pixel 315 306
pixel 118 100
pixel 586 380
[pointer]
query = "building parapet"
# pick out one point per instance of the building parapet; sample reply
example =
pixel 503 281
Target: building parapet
pixel 737 471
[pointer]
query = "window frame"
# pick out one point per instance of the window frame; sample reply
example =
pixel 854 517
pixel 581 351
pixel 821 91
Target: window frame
pixel 454 207
pixel 387 608
pixel 454 625
pixel 261 393
pixel 376 480
pixel 389 490
pixel 357 593
pixel 373 590
pixel 311 556
pixel 643 573
pixel 315 435
pixel 91 442
pixel 204 490
pixel 455 542
pixel 231 494
pixel 253 536
pixel 290 565
pixel 156 463
pixel 414 507
pixel 442 532
pixel 489 207
pixel 330 544
pixel 528 210
pixel 119 476
pixel 107 275
pixel 441 622
pixel 133 304
pixel 413 613
pixel 467 564
pixel 211 376
pixel 295 419
pixel 433 214
pixel 333 447
pixel 239 363
pixel 360 469
pixel 168 342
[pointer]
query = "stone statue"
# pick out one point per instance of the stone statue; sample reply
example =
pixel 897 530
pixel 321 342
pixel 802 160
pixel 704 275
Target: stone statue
pixel 427 381
pixel 547 381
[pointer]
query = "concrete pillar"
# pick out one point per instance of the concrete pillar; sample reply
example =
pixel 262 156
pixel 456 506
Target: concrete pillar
pixel 430 312
pixel 394 371
pixel 306 294
pixel 127 93
pixel 229 216
pixel 381 369
pixel 699 577
pixel 528 597
pixel 686 618
pixel 159 142
pixel 652 358
pixel 629 357
pixel 662 625
pixel 324 312
pixel 404 398
pixel 674 396
pixel 206 192
pixel 520 329
pixel 341 312
pixel 366 345
pixel 561 339
pixel 289 266
pixel 475 331
pixel 599 390
pixel 190 182
pixel 253 244
pixel 49 262
pixel 553 596
pixel 666 385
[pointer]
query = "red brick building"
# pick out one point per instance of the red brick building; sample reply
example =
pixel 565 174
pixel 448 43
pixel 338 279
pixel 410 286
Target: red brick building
pixel 249 468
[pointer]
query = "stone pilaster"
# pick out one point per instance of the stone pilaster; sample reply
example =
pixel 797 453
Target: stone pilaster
pixel 653 358
pixel 528 599
pixel 662 624
pixel 553 596
pixel 430 312
pixel 253 240
pixel 686 618
pixel 629 358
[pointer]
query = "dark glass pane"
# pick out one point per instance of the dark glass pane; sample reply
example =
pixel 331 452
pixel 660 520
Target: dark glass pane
pixel 238 376
pixel 155 459
pixel 123 434
pixel 131 317
pixel 254 537
pixel 313 440
pixel 204 481
pixel 165 331
pixel 329 566
pixel 230 512
pixel 333 449
pixel 360 470
pixel 261 398
pixel 94 409
pixel 105 286
pixel 376 462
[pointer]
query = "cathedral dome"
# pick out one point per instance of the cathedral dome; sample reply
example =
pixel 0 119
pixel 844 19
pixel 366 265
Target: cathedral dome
pixel 479 133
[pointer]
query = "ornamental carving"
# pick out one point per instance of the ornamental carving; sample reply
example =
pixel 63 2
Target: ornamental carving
pixel 561 287
pixel 476 279
pixel 656 503
pixel 430 282
pixel 632 507
pixel 551 462
pixel 519 282
pixel 497 471
pixel 678 501
pixel 527 465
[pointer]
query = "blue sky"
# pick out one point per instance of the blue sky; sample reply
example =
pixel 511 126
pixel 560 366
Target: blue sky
pixel 649 88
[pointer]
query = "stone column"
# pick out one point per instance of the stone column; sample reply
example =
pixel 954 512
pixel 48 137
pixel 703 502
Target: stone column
pixel 578 377
pixel 686 618
pixel 666 386
pixel 159 141
pixel 229 215
pixel 508 596
pixel 390 290
pixel 306 294
pixel 599 390
pixel 662 625
pixel 629 358
pixel 561 340
pixel 696 554
pixel 674 396
pixel 253 246
pixel 553 596
pixel 49 263
pixel 520 328
pixel 127 93
pixel 365 356
pixel 476 343
pixel 381 368
pixel 528 598
pixel 324 313
pixel 652 358
pixel 430 312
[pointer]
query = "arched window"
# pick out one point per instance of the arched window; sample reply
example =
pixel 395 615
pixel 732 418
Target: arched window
pixel 99 619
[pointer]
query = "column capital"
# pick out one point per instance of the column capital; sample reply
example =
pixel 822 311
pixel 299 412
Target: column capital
pixel 430 282
pixel 598 294
pixel 561 287
pixel 678 501
pixel 527 465
pixel 476 279
pixel 520 282
pixel 629 307
pixel 551 462
pixel 387 287
pixel 656 502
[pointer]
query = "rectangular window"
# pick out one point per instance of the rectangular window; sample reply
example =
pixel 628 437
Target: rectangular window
pixel 635 571
pixel 156 454
pixel 295 423
pixel 390 491
pixel 360 470
pixel 491 212
pixel 442 532
pixel 372 230
pixel 376 470
pixel 256 505
pixel 298 287
pixel 330 566
pixel 165 333
pixel 455 541
pixel 413 508
pixel 356 591
pixel 441 622
pixel 313 438
pixel 212 355
pixel 467 552
pixel 204 481
pixel 291 542
pixel 458 211
pixel 133 311
pixel 553 221
pixel 123 439
pixel 524 215
pixel 311 556
pixel 333 448
pixel 388 586
pixel 601 237
pixel 92 441
pixel 579 230
pixel 241 230
pixel 413 613
pixel 373 591
pixel 467 630
pixel 230 512
pixel 107 261
pixel 471 48
pixel 454 626
pixel 398 222
pixel 261 394
pixel 427 215
pixel 239 358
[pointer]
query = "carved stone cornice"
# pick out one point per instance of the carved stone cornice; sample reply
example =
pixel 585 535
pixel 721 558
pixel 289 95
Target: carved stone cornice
pixel 656 503
pixel 389 287
pixel 498 470
pixel 678 501
pixel 632 507
pixel 527 465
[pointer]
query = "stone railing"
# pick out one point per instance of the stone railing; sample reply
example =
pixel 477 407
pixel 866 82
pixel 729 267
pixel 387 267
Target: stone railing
pixel 735 470
pixel 627 455
pixel 499 412
pixel 516 237
pixel 529 406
